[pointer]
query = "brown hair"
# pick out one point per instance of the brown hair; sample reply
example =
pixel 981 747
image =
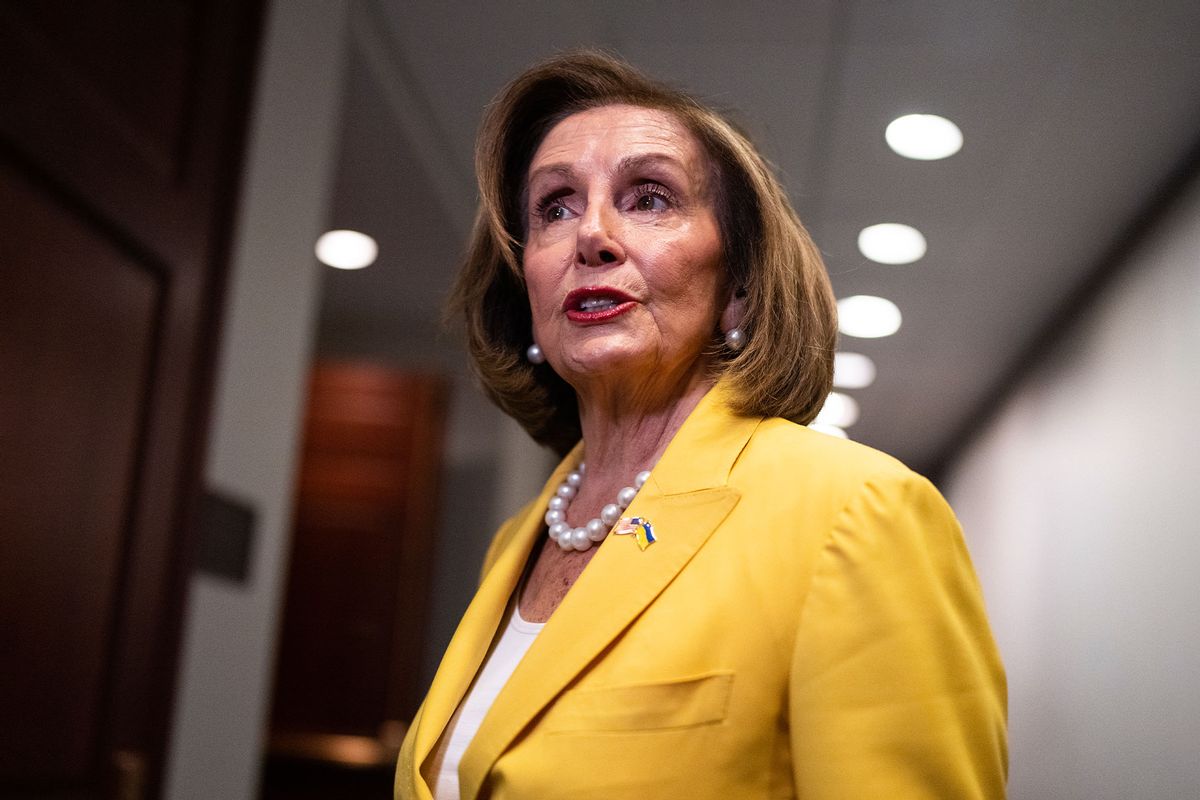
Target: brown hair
pixel 786 366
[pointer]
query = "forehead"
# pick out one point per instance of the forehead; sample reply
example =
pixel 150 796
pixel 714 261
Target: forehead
pixel 615 132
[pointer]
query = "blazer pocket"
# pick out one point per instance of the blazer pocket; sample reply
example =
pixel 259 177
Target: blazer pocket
pixel 683 703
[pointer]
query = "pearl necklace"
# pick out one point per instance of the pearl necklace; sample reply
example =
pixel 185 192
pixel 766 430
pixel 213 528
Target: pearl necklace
pixel 597 529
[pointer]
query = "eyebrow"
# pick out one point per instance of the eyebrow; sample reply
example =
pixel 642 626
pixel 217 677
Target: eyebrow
pixel 699 184
pixel 626 165
pixel 563 170
pixel 637 163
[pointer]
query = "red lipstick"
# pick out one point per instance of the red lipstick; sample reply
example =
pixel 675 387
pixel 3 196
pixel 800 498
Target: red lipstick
pixel 594 304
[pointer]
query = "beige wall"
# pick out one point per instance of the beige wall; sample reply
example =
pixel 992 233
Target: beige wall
pixel 1080 506
pixel 226 666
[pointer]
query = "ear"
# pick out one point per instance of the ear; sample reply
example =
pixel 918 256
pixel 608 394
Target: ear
pixel 735 309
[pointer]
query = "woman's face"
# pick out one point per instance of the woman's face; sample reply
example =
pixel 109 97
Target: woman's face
pixel 623 254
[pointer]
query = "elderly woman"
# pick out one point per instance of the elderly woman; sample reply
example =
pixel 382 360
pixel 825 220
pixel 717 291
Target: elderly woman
pixel 707 600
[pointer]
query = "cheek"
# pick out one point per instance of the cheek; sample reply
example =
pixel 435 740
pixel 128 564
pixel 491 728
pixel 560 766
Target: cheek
pixel 689 271
pixel 541 282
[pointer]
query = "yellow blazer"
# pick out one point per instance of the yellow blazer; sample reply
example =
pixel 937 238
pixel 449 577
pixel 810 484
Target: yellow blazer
pixel 807 625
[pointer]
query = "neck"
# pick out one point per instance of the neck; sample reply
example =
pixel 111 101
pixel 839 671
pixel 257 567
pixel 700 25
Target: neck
pixel 626 432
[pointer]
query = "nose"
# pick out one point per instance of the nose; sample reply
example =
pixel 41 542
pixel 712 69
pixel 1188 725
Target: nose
pixel 597 243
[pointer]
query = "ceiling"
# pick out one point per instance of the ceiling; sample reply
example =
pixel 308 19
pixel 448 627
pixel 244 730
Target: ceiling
pixel 1075 115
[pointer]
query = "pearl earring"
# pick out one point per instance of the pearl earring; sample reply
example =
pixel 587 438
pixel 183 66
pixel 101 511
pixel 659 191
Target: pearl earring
pixel 535 354
pixel 735 339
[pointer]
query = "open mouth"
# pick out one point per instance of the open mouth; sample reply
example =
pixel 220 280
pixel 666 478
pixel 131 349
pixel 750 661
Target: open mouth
pixel 596 304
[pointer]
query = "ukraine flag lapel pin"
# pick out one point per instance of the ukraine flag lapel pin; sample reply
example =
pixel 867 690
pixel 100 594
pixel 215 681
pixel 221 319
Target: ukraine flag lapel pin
pixel 638 527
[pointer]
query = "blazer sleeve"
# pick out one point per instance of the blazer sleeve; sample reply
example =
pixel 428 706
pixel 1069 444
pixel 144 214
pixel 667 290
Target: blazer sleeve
pixel 896 687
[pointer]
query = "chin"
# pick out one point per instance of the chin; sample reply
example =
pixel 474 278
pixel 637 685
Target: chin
pixel 611 360
pixel 610 354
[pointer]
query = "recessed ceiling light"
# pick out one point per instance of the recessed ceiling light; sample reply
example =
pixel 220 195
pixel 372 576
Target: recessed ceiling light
pixel 839 409
pixel 832 430
pixel 925 137
pixel 867 316
pixel 891 243
pixel 346 249
pixel 852 371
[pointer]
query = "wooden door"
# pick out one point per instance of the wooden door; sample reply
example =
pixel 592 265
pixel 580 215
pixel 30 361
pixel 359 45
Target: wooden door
pixel 120 139
pixel 359 577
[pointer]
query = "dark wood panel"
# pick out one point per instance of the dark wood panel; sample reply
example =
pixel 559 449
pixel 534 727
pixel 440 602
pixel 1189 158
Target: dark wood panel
pixel 357 598
pixel 121 127
pixel 131 78
pixel 78 321
pixel 127 105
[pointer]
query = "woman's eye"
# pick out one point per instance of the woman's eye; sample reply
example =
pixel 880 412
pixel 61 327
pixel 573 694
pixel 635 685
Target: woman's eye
pixel 652 198
pixel 551 210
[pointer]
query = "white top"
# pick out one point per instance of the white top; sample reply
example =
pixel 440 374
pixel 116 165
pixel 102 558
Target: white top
pixel 518 635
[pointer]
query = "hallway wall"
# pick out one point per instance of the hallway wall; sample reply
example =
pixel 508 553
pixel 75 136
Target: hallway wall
pixel 229 636
pixel 1079 505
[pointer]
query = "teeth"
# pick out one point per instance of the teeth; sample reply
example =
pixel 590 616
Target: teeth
pixel 596 304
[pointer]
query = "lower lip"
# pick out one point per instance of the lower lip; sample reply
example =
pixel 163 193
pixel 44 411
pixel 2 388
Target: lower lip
pixel 599 315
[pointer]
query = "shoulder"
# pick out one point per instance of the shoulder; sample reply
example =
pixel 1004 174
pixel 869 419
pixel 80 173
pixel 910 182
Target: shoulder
pixel 795 477
pixel 782 452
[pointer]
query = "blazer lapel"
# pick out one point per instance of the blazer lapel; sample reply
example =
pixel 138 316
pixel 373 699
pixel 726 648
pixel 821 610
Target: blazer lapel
pixel 475 632
pixel 685 499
